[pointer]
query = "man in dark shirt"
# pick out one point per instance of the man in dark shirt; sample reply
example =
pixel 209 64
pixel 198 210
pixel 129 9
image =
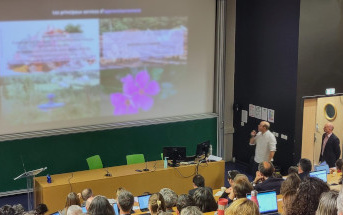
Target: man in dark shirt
pixel 198 181
pixel 304 168
pixel 264 178
pixel 125 202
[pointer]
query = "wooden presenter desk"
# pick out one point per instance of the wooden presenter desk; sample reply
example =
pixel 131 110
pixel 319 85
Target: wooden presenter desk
pixel 178 179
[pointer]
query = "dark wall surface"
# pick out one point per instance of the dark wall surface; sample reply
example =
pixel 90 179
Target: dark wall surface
pixel 320 54
pixel 266 72
pixel 68 153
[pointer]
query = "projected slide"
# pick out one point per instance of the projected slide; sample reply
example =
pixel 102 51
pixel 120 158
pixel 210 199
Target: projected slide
pixel 54 71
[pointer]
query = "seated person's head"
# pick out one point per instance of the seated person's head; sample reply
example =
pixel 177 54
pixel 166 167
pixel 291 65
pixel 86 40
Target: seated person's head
pixel 125 202
pixel 242 206
pixel 170 198
pixel 72 199
pixel 241 176
pixel 292 169
pixel 266 168
pixel 198 181
pixel 231 174
pixel 100 205
pixel 156 203
pixel 305 165
pixel 328 203
pixel 339 164
pixel 19 209
pixel 307 198
pixel 119 190
pixel 241 188
pixel 7 210
pixel 86 193
pixel 203 198
pixel 287 200
pixel 74 210
pixel 184 200
pixel 191 210
pixel 291 183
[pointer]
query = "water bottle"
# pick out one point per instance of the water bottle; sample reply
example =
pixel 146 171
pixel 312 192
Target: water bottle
pixel 165 162
pixel 48 178
pixel 254 196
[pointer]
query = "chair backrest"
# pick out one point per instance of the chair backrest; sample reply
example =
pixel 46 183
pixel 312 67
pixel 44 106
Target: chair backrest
pixel 94 162
pixel 135 158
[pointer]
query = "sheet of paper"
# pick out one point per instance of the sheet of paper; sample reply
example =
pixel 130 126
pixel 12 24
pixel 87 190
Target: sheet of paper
pixel 244 116
pixel 251 110
pixel 271 114
pixel 264 114
pixel 258 112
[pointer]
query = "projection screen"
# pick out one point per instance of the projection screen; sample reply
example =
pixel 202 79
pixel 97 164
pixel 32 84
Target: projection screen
pixel 75 63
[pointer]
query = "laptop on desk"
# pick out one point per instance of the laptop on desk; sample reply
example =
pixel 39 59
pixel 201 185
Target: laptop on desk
pixel 321 174
pixel 143 202
pixel 267 202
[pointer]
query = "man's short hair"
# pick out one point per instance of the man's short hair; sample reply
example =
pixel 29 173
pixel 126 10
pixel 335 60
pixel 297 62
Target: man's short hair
pixel 74 210
pixel 266 168
pixel 191 210
pixel 199 181
pixel 86 193
pixel 184 200
pixel 125 200
pixel 305 164
pixel 170 197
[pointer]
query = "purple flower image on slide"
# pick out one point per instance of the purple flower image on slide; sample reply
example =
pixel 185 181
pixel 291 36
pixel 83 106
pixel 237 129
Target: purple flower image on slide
pixel 123 104
pixel 137 94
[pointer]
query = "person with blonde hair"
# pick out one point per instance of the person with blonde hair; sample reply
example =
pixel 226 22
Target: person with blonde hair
pixel 156 204
pixel 242 206
pixel 291 183
pixel 287 200
pixel 328 203
pixel 72 199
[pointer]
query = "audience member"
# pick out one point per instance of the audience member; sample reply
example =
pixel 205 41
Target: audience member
pixel 305 167
pixel 241 176
pixel 41 209
pixel 191 210
pixel 293 169
pixel 184 200
pixel 242 206
pixel 239 190
pixel 340 203
pixel 287 200
pixel 156 204
pixel 125 202
pixel 198 181
pixel 170 198
pixel 291 183
pixel 328 203
pixel 264 178
pixel 85 195
pixel 307 197
pixel 7 210
pixel 19 209
pixel 339 165
pixel 231 175
pixel 74 210
pixel 203 198
pixel 100 206
pixel 72 199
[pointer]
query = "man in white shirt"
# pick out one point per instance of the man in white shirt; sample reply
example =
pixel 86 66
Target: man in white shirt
pixel 265 143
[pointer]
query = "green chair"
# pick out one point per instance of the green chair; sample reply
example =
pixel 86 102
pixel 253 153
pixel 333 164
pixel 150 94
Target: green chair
pixel 135 158
pixel 94 162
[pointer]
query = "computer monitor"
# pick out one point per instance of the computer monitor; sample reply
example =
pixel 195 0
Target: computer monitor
pixel 174 153
pixel 203 149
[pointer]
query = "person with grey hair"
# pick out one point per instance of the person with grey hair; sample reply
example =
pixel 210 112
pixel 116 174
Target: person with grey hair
pixel 330 149
pixel 264 179
pixel 74 210
pixel 340 203
pixel 170 198
pixel 191 210
pixel 125 202
pixel 85 195
pixel 328 203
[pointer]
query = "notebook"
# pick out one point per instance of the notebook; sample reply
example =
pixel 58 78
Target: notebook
pixel 143 202
pixel 116 210
pixel 321 174
pixel 267 202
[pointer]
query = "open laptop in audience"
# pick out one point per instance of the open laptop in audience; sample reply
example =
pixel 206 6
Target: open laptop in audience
pixel 143 202
pixel 321 174
pixel 116 209
pixel 267 202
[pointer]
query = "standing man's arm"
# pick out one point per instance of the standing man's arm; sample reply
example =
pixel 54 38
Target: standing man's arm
pixel 272 147
pixel 271 155
pixel 337 148
pixel 252 138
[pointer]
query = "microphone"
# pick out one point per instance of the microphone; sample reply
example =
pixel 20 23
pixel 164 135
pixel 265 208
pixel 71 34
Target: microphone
pixel 108 174
pixel 146 166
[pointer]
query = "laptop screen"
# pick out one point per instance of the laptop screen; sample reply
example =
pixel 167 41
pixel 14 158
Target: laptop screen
pixel 115 207
pixel 143 201
pixel 267 201
pixel 84 210
pixel 321 174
